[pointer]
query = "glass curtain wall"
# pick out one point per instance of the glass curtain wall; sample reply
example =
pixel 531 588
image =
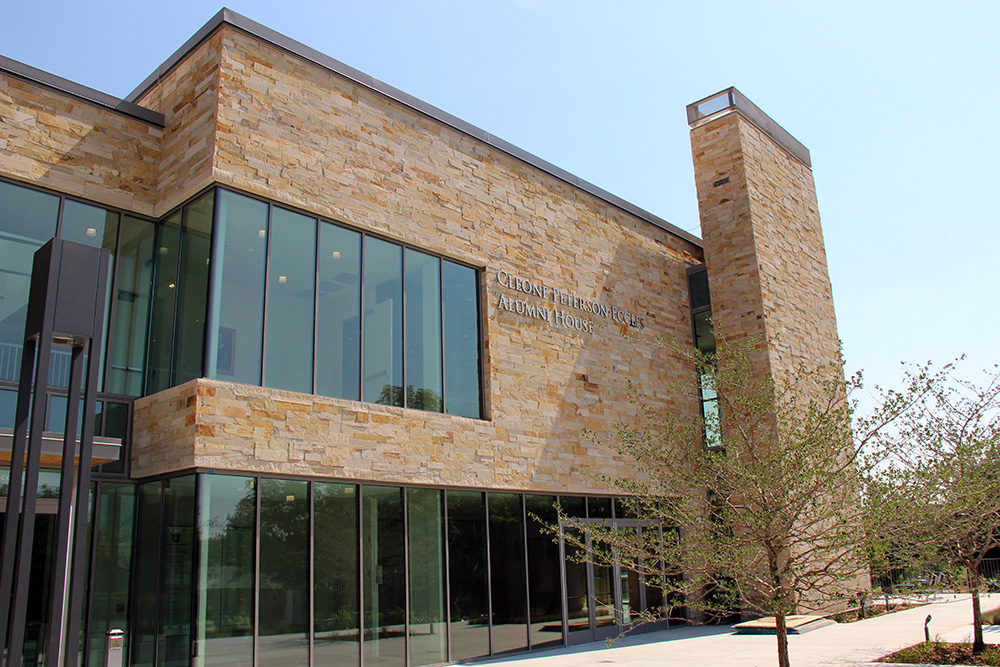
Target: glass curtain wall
pixel 288 572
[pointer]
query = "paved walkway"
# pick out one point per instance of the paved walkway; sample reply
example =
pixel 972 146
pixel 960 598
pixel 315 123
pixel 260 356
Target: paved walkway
pixel 840 645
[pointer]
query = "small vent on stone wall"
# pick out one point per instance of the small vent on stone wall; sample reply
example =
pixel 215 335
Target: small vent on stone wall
pixel 720 182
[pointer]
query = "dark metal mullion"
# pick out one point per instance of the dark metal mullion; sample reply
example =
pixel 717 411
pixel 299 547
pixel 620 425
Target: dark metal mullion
pixel 360 550
pixel 527 579
pixel 447 579
pixel 315 326
pixel 402 319
pixel 480 347
pixel 489 571
pixel 406 575
pixel 175 321
pixel 563 585
pixel 444 404
pixel 312 571
pixel 256 571
pixel 263 324
pixel 194 646
pixel 211 307
pixel 361 319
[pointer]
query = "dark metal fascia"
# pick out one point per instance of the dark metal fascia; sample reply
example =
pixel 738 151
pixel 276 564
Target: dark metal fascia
pixel 80 92
pixel 299 50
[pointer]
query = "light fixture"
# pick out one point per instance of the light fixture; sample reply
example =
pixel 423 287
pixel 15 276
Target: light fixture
pixel 261 233
pixel 171 285
pixel 336 254
pixel 91 231
pixel 282 279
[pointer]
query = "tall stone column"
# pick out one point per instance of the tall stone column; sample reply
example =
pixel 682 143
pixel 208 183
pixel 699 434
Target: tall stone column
pixel 760 226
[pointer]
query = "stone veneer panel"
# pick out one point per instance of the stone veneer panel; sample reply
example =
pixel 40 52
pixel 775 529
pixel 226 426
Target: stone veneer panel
pixel 57 141
pixel 764 243
pixel 292 132
pixel 188 97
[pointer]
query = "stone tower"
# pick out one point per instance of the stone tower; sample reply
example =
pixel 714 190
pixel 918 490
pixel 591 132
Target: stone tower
pixel 761 231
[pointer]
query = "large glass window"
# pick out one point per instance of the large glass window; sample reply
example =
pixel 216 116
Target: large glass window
pixel 27 220
pixel 383 577
pixel 283 586
pixel 383 323
pixel 425 515
pixel 467 567
pixel 508 586
pixel 192 295
pixel 176 555
pixel 335 558
pixel 115 516
pixel 241 250
pixel 544 563
pixel 338 310
pixel 227 514
pixel 291 276
pixel 161 328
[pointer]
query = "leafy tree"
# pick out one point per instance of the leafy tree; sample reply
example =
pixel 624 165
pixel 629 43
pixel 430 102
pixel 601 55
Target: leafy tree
pixel 768 523
pixel 936 497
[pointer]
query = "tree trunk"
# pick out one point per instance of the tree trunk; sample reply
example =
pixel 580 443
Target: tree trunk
pixel 782 631
pixel 978 643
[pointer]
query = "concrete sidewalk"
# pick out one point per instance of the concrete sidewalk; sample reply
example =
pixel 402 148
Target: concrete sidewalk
pixel 843 644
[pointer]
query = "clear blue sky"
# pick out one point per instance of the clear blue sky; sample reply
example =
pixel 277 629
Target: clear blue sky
pixel 897 101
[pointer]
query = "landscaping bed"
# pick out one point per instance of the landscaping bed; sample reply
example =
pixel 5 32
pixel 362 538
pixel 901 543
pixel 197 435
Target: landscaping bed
pixel 944 653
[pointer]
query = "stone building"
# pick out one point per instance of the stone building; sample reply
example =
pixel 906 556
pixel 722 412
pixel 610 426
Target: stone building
pixel 353 343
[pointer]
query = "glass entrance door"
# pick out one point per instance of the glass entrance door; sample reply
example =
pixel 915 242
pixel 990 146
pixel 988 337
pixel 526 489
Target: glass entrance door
pixel 601 599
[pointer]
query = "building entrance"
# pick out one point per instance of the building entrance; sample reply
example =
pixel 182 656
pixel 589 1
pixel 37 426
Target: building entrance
pixel 602 599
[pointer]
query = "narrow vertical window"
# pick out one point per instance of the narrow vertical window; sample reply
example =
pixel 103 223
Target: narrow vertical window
pixel 507 573
pixel 425 515
pixel 338 310
pixel 468 572
pixel 236 339
pixel 461 340
pixel 383 325
pixel 383 576
pixel 126 335
pixel 291 279
pixel 423 331
pixel 335 559
pixel 164 294
pixel 192 294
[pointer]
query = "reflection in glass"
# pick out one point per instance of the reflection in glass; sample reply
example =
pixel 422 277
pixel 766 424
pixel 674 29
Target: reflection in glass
pixel 599 508
pixel 284 574
pixel 425 514
pixel 461 340
pixel 291 289
pixel 177 554
pixel 127 334
pixel 423 331
pixel 383 576
pixel 577 595
pixel 470 632
pixel 338 312
pixel 196 246
pixel 112 566
pixel 27 220
pixel 164 292
pixel 227 511
pixel 544 592
pixel 335 557
pixel 142 638
pixel 508 584
pixel 383 326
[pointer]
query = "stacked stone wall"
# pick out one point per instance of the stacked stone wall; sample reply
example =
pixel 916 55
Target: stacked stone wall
pixel 56 141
